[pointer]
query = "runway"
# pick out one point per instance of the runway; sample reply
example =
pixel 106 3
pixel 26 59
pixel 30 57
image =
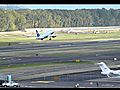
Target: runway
pixel 21 54
pixel 95 51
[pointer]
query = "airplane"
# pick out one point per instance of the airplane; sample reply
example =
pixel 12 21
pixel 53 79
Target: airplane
pixel 107 71
pixel 46 34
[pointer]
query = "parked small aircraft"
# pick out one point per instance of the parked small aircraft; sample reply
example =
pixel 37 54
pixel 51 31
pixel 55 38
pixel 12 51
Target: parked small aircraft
pixel 107 71
pixel 48 34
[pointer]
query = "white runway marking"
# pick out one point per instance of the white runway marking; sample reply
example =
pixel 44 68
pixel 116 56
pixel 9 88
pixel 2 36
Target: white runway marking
pixel 29 86
pixel 64 45
pixel 42 81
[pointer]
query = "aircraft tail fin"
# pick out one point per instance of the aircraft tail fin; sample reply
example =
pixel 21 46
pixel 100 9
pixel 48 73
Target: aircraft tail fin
pixel 104 68
pixel 37 33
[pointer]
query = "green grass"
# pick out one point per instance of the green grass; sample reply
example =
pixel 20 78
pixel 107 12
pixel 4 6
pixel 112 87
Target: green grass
pixel 114 35
pixel 46 64
pixel 15 39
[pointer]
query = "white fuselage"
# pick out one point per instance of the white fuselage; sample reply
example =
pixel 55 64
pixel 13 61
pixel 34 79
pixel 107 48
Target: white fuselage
pixel 107 71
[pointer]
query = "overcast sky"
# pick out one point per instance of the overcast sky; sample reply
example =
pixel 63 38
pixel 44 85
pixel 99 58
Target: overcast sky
pixel 67 6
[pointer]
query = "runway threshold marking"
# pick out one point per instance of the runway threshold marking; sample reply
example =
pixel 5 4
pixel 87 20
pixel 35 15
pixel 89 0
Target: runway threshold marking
pixel 42 81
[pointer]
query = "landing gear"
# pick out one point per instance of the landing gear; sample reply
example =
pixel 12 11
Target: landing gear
pixel 50 39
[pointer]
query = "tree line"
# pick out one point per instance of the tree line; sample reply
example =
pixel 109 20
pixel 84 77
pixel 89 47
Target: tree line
pixel 11 20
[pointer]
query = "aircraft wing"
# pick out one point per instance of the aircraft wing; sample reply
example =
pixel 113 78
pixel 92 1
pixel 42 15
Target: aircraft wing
pixel 52 35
